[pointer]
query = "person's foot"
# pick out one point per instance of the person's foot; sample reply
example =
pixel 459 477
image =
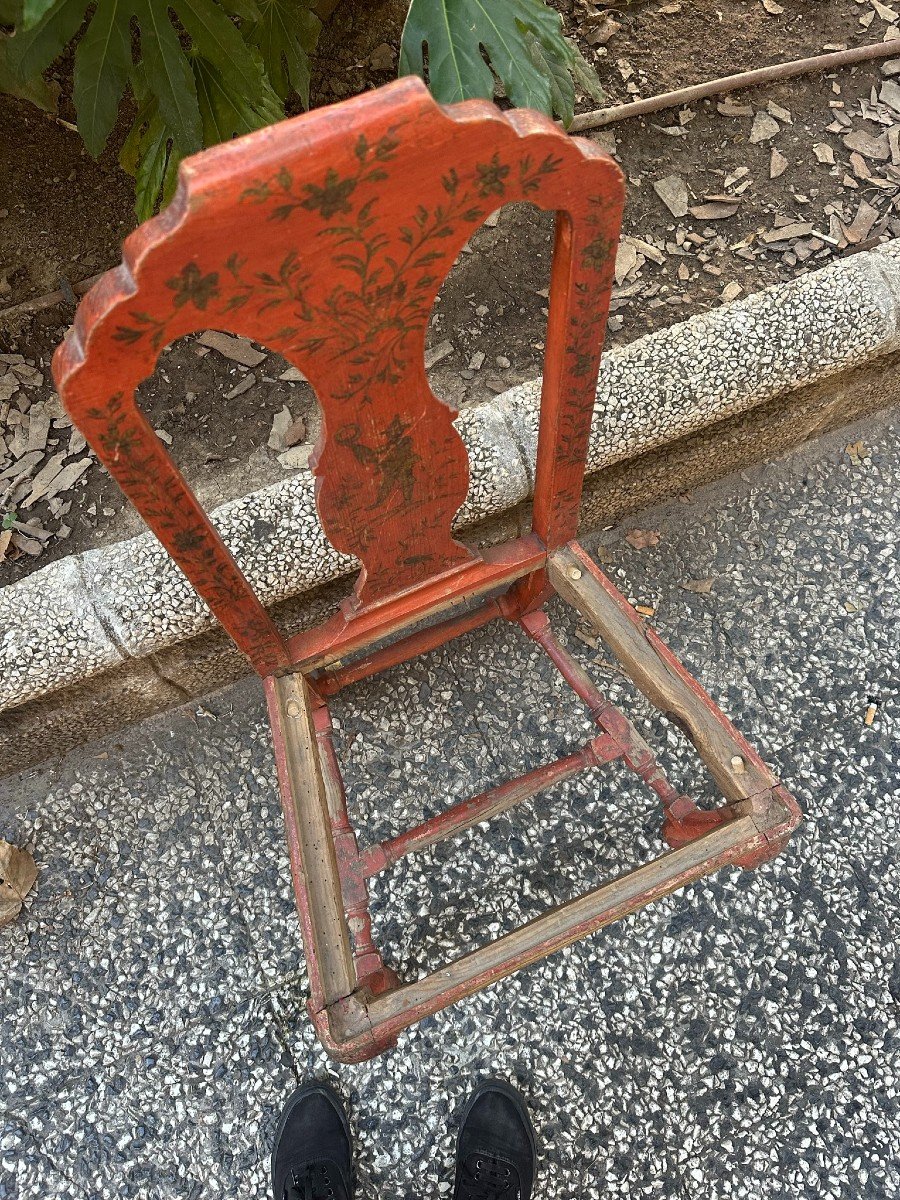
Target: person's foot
pixel 311 1158
pixel 495 1150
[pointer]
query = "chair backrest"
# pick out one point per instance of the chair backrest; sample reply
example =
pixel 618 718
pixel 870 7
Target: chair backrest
pixel 327 238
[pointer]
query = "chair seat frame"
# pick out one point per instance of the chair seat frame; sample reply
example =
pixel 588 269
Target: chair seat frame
pixel 327 238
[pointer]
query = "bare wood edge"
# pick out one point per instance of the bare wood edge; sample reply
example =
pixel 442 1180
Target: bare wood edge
pixel 313 859
pixel 351 1029
pixel 662 679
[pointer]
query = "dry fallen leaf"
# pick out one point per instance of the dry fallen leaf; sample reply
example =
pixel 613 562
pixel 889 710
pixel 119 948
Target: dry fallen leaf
pixel 764 127
pixel 626 261
pixel 884 11
pixel 640 539
pixel 601 33
pixel 383 57
pixel 237 349
pixel 281 423
pixel 700 586
pixel 824 153
pixel 857 452
pixel 672 190
pixel 778 164
pixel 296 434
pixel 17 876
pixel 715 210
pixel 646 248
pixel 786 233
pixel 731 108
pixel 863 222
pixel 876 148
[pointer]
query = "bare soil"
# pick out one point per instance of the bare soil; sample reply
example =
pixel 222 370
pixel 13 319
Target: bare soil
pixel 63 217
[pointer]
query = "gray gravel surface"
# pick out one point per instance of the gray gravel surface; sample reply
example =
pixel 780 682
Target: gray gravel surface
pixel 739 1039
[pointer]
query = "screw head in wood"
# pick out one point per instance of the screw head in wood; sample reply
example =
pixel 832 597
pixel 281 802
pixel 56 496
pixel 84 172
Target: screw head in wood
pixel 293 708
pixel 574 573
pixel 738 765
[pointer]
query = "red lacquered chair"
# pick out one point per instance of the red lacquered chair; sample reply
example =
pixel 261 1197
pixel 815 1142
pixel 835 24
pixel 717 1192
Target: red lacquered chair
pixel 327 238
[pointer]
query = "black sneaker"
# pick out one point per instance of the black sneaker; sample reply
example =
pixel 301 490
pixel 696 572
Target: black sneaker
pixel 495 1150
pixel 311 1158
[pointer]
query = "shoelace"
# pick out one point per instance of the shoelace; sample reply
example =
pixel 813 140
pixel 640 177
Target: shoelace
pixel 311 1182
pixel 488 1178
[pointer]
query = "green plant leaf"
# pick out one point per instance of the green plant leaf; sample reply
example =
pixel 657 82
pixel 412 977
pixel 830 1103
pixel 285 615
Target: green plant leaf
pixel 216 38
pixel 10 12
pixel 584 74
pixel 556 72
pixel 102 63
pixel 286 35
pixel 32 50
pixel 169 75
pixel 456 31
pixel 226 111
pixel 248 9
pixel 36 89
pixel 34 11
pixel 152 160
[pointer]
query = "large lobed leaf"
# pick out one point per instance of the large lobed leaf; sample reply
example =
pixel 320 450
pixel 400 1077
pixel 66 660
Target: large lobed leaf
pixel 286 35
pixel 523 40
pixel 35 46
pixel 200 77
pixel 102 66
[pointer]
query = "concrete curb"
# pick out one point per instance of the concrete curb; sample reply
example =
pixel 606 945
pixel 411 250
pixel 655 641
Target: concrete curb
pixel 90 613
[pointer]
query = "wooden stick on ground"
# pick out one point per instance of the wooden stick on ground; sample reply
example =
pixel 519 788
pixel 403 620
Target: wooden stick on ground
pixel 730 83
pixel 602 117
pixel 48 300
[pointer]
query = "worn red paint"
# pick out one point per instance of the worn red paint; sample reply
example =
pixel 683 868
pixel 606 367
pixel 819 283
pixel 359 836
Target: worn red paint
pixel 327 238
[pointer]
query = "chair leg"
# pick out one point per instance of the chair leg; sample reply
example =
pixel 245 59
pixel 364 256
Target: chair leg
pixel 371 972
pixel 738 771
pixel 357 1004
